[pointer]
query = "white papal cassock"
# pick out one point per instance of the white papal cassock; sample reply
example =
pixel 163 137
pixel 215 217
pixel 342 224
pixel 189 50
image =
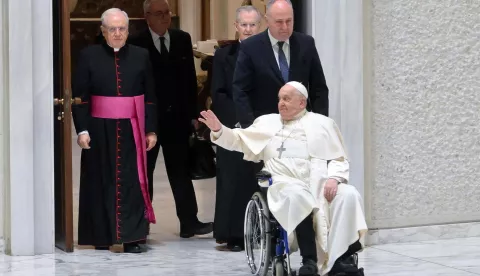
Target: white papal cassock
pixel 299 175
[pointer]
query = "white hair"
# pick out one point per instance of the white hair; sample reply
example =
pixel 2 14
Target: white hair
pixel 147 3
pixel 112 11
pixel 247 9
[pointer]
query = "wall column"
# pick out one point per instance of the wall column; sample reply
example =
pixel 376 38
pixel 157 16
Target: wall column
pixel 337 26
pixel 27 85
pixel 190 12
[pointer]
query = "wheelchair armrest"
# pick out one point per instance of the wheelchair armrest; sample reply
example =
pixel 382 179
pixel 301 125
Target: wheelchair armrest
pixel 263 175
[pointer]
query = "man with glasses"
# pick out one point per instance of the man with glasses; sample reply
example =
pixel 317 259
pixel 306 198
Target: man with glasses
pixel 116 124
pixel 176 89
pixel 269 60
pixel 236 181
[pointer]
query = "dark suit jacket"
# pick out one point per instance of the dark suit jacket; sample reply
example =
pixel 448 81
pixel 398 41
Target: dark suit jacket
pixel 222 99
pixel 257 78
pixel 175 79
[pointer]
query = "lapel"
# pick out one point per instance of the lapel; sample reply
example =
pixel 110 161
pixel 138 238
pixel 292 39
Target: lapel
pixel 174 45
pixel 147 41
pixel 270 56
pixel 295 61
pixel 232 55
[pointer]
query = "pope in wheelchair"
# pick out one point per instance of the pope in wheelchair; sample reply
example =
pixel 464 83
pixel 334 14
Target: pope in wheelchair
pixel 310 197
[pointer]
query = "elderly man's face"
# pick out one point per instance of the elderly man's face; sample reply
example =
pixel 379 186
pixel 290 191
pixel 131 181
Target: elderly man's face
pixel 280 20
pixel 290 102
pixel 115 30
pixel 159 16
pixel 248 24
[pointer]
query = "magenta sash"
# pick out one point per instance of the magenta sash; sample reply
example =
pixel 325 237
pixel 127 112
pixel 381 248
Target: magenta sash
pixel 132 108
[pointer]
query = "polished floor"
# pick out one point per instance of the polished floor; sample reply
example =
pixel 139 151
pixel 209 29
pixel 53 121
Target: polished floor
pixel 171 255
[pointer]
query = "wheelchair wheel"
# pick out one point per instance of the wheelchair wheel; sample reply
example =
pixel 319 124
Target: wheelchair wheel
pixel 257 235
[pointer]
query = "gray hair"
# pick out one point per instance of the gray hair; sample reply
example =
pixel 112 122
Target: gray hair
pixel 147 3
pixel 247 9
pixel 111 11
pixel 271 2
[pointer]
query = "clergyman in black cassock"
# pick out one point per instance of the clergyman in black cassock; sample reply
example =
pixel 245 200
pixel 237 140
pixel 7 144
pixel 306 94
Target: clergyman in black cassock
pixel 236 181
pixel 171 56
pixel 114 205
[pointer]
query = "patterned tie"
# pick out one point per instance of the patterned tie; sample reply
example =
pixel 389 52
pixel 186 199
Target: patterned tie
pixel 282 60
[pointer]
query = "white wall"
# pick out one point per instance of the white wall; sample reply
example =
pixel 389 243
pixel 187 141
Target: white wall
pixel 2 129
pixel 27 127
pixel 425 107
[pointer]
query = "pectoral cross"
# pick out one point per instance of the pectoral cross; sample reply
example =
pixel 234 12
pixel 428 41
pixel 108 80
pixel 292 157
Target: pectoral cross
pixel 280 150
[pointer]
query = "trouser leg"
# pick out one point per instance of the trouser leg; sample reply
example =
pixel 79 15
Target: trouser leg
pixel 176 162
pixel 306 239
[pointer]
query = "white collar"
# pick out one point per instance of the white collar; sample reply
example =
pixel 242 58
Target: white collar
pixel 274 41
pixel 155 36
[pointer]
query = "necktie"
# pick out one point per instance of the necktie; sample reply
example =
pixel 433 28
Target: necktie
pixel 163 48
pixel 282 61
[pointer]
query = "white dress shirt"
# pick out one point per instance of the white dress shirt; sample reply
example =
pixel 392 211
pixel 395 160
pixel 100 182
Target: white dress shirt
pixel 286 48
pixel 156 40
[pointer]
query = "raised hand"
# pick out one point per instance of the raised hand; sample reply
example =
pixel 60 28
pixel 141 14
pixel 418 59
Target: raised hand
pixel 210 120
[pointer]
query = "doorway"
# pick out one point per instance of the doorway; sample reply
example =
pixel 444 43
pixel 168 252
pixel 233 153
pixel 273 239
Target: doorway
pixel 62 126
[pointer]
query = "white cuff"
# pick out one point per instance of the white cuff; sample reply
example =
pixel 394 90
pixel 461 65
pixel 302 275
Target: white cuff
pixel 83 132
pixel 217 134
pixel 339 179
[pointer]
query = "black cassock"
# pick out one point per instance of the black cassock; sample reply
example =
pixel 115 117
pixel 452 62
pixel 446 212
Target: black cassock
pixel 112 207
pixel 236 181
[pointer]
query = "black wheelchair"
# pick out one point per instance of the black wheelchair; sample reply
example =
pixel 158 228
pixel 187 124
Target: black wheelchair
pixel 266 242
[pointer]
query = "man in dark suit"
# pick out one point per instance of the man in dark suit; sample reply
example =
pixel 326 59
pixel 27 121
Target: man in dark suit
pixel 272 58
pixel 176 89
pixel 236 182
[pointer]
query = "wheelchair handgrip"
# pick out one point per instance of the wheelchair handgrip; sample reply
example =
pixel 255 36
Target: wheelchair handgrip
pixel 263 175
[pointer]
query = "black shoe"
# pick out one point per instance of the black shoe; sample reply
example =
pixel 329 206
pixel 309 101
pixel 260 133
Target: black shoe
pixel 198 228
pixel 132 248
pixel 309 268
pixel 102 247
pixel 235 247
pixel 346 266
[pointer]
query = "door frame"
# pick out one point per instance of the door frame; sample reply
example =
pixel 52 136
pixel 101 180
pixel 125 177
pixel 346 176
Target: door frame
pixel 64 239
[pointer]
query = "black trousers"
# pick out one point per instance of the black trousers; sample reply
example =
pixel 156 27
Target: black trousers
pixel 175 150
pixel 306 239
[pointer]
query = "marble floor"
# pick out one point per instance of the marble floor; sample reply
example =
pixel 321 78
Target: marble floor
pixel 171 255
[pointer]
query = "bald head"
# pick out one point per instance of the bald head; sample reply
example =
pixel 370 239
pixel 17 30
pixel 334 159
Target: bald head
pixel 280 19
pixel 276 4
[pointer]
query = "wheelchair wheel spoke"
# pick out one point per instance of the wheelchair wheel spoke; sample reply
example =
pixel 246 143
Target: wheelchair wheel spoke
pixel 256 236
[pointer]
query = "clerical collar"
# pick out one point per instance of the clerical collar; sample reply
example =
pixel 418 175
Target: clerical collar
pixel 115 49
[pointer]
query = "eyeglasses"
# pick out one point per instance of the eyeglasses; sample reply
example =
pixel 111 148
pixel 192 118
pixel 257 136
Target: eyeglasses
pixel 246 25
pixel 159 14
pixel 114 29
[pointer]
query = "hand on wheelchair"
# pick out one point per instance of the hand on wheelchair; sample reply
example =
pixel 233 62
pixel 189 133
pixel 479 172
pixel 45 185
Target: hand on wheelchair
pixel 330 190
